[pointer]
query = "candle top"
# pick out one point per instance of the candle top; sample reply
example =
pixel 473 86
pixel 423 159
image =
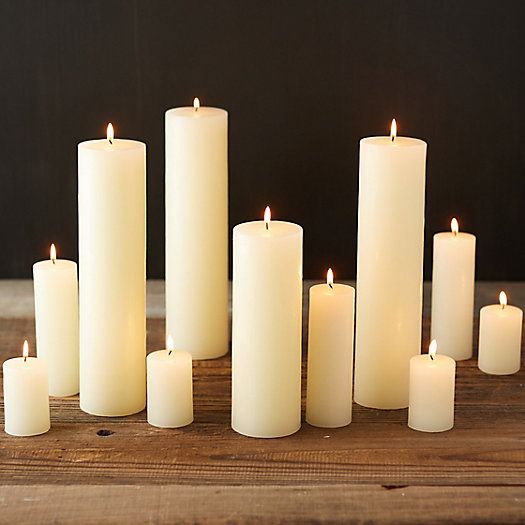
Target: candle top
pixel 193 112
pixel 170 356
pixel 399 142
pixel 115 146
pixel 265 229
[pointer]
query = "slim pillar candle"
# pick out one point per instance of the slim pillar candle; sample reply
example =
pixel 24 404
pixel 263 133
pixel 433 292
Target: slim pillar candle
pixel 56 318
pixel 330 354
pixel 500 328
pixel 432 385
pixel 389 267
pixel 453 292
pixel 26 396
pixel 197 230
pixel 170 387
pixel 266 341
pixel 112 260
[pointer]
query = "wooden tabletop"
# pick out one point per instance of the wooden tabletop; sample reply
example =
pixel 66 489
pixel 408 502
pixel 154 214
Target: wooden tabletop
pixel 90 469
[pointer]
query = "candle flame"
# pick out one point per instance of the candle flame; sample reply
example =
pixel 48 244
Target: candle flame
pixel 196 103
pixel 110 133
pixel 432 349
pixel 53 253
pixel 503 299
pixel 170 344
pixel 330 278
pixel 25 350
pixel 267 217
pixel 454 226
pixel 393 130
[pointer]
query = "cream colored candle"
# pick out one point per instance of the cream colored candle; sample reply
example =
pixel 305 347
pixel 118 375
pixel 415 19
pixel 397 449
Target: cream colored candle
pixel 330 354
pixel 453 292
pixel 266 341
pixel 170 387
pixel 112 265
pixel 26 397
pixel 432 385
pixel 197 230
pixel 500 338
pixel 389 268
pixel 56 318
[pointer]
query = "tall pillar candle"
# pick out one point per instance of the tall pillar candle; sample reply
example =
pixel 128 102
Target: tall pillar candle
pixel 330 354
pixel 432 390
pixel 170 387
pixel 453 292
pixel 389 268
pixel 26 396
pixel 56 318
pixel 112 260
pixel 499 347
pixel 266 339
pixel 197 230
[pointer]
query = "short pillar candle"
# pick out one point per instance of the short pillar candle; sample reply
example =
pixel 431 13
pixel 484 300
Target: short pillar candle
pixel 500 328
pixel 26 396
pixel 170 387
pixel 431 391
pixel 330 354
pixel 56 319
pixel 453 292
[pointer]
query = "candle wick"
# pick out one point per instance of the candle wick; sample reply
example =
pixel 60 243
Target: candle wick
pixel 393 138
pixel 111 141
pixel 503 306
pixel 266 224
pixel 54 261
pixel 25 358
pixel 169 353
pixel 331 285
pixel 431 357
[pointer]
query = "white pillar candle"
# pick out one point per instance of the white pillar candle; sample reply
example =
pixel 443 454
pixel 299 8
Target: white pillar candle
pixel 26 396
pixel 197 230
pixel 432 384
pixel 330 354
pixel 170 387
pixel 56 318
pixel 500 338
pixel 112 266
pixel 266 341
pixel 389 268
pixel 453 292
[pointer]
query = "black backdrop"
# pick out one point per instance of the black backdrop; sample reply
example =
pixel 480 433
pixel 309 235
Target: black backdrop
pixel 302 81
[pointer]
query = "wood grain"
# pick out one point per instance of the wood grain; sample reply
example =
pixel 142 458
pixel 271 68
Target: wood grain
pixel 376 469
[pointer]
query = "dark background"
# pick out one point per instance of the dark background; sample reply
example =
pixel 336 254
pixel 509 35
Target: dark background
pixel 303 81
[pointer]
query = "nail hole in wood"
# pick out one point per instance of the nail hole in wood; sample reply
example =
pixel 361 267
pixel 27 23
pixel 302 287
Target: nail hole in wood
pixel 104 432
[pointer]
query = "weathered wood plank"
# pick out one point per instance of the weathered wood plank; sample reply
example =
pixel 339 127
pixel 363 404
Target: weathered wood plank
pixel 350 504
pixel 487 445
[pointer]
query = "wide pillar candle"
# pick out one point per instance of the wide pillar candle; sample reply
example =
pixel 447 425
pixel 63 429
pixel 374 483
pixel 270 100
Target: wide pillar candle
pixel 170 387
pixel 499 350
pixel 389 268
pixel 112 261
pixel 432 387
pixel 197 230
pixel 453 292
pixel 266 340
pixel 330 354
pixel 26 396
pixel 56 318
